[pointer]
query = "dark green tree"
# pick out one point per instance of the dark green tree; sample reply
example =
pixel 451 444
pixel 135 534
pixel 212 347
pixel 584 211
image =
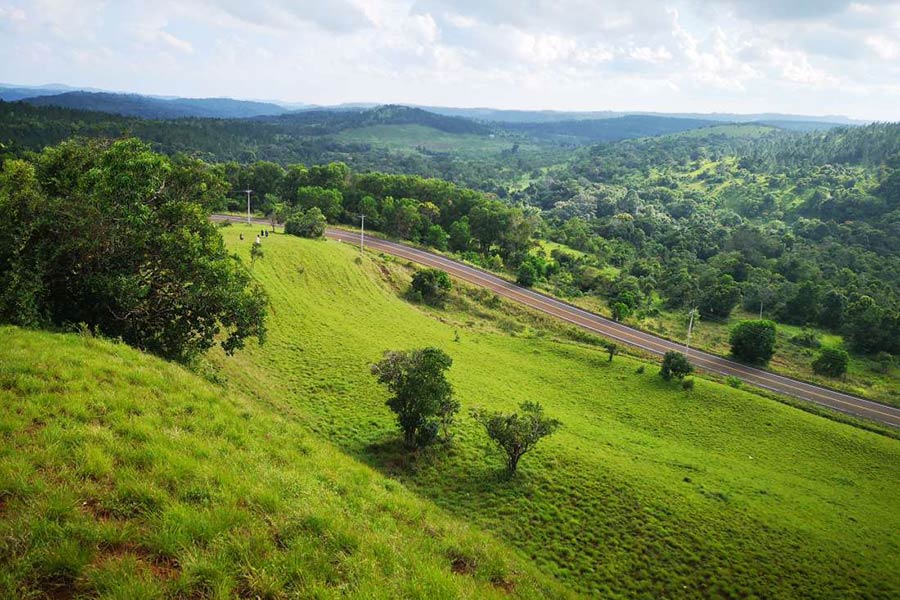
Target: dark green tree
pixel 328 201
pixel 460 236
pixel 833 310
pixel 803 308
pixel 422 397
pixel 831 362
pixel 517 434
pixel 720 298
pixel 436 237
pixel 865 325
pixel 753 340
pixel 620 311
pixel 612 349
pixel 675 364
pixel 309 224
pixel 526 275
pixel 92 233
pixel 431 286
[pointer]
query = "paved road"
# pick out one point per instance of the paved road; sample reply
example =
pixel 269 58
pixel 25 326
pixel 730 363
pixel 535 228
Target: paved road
pixel 622 333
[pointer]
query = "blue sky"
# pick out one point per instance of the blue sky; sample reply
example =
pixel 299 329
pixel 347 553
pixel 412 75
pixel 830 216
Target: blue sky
pixel 810 57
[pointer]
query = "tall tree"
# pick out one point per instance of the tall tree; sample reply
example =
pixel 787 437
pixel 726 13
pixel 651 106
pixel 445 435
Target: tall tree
pixel 422 397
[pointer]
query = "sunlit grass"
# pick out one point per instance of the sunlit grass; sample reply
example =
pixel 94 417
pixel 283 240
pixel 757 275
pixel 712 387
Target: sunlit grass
pixel 122 476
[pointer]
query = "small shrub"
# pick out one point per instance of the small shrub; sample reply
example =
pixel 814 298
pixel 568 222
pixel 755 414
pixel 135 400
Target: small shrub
pixel 640 370
pixel 256 253
pixel 431 286
pixel 687 385
pixel 612 348
pixel 734 382
pixel 807 338
pixel 883 362
pixel 517 434
pixel 675 364
pixel 831 362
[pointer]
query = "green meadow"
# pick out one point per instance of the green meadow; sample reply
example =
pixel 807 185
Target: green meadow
pixel 277 472
pixel 414 138
pixel 648 490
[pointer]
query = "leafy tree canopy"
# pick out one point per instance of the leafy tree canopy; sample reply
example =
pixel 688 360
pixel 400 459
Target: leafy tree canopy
pixel 115 236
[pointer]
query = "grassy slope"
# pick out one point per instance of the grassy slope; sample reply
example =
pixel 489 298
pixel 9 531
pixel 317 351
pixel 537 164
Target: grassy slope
pixel 648 490
pixel 739 130
pixel 123 476
pixel 413 137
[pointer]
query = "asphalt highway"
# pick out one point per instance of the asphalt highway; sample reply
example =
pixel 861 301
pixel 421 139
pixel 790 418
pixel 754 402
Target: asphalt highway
pixel 622 333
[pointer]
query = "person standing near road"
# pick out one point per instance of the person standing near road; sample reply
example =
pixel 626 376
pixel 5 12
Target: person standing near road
pixel 257 241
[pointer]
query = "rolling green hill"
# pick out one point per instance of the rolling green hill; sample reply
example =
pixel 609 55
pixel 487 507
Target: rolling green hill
pixel 648 490
pixel 428 140
pixel 122 476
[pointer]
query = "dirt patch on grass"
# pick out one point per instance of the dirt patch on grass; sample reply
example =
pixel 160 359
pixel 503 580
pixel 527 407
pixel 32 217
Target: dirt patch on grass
pixel 462 564
pixel 162 567
pixel 95 508
pixel 504 584
pixel 32 428
pixel 60 592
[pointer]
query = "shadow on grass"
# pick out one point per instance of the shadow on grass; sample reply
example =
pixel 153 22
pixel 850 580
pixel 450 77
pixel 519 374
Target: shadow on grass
pixel 391 457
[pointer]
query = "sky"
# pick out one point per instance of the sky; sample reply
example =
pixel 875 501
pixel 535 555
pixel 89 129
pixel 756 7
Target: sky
pixel 813 57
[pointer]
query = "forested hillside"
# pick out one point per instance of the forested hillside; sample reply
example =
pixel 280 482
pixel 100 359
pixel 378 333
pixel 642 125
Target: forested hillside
pixel 147 107
pixel 740 219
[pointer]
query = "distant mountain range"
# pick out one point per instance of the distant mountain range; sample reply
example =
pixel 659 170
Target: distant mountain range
pixel 132 105
pixel 550 116
pixel 160 107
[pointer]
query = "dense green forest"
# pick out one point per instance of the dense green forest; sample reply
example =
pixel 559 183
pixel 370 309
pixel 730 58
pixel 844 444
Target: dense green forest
pixel 803 227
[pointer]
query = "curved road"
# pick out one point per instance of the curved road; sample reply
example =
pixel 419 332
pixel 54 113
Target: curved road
pixel 622 333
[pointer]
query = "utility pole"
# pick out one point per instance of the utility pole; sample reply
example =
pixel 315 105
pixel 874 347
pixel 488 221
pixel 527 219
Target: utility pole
pixel 687 344
pixel 760 309
pixel 248 205
pixel 362 233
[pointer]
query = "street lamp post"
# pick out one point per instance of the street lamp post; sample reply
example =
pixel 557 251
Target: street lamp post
pixel 248 205
pixel 687 345
pixel 362 233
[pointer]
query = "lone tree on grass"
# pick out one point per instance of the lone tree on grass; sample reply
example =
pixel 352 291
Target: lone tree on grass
pixel 256 253
pixel 517 434
pixel 430 286
pixel 831 362
pixel 612 348
pixel 675 364
pixel 753 340
pixel 423 398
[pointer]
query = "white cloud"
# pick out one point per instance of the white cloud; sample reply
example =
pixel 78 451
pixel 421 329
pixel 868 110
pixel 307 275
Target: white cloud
pixel 12 14
pixel 691 55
